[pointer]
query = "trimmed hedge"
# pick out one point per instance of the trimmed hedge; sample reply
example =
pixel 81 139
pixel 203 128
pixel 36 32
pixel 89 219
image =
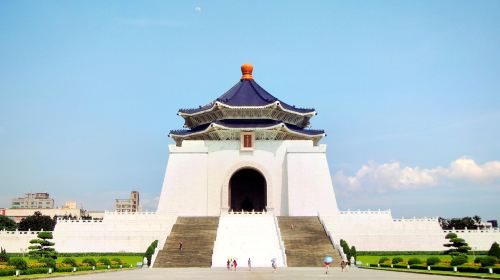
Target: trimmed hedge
pixel 18 263
pixel 104 261
pixel 488 261
pixel 35 270
pixel 433 260
pixel 458 260
pixel 383 260
pixel 397 260
pixel 413 261
pixel 7 272
pixel 400 266
pixel 69 261
pixel 89 261
pixel 419 266
pixel 90 254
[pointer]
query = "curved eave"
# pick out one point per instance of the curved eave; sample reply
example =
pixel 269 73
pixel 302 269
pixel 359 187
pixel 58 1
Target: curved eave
pixel 216 104
pixel 279 126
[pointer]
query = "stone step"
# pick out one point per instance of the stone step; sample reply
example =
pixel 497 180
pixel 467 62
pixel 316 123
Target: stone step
pixel 306 242
pixel 197 235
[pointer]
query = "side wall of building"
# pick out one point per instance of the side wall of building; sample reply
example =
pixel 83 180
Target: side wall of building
pixel 378 231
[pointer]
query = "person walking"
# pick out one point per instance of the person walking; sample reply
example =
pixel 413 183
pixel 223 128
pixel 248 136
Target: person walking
pixel 180 245
pixel 228 264
pixel 235 264
pixel 273 264
pixel 249 264
pixel 327 261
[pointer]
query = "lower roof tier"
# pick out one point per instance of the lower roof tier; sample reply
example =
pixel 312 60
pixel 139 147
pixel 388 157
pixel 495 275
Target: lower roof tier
pixel 231 130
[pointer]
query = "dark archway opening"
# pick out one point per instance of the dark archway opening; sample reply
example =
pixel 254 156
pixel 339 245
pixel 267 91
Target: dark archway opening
pixel 247 191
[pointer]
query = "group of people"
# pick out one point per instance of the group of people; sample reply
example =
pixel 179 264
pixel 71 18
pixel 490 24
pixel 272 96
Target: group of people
pixel 232 264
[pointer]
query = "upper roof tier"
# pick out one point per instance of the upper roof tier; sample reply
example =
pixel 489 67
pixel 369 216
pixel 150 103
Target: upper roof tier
pixel 246 100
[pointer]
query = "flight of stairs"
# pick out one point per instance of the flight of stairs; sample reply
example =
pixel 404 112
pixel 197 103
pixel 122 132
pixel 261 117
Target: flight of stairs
pixel 306 244
pixel 197 235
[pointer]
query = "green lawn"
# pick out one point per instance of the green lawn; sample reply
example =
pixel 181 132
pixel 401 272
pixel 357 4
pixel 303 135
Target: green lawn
pixel 126 259
pixel 374 259
pixel 55 274
pixel 479 275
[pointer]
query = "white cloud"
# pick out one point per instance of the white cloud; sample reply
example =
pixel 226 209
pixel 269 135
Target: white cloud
pixel 392 176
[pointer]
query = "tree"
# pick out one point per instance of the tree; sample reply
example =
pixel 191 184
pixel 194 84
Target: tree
pixel 42 247
pixel 354 253
pixel 3 255
pixel 345 248
pixel 37 222
pixel 7 224
pixel 460 223
pixel 494 250
pixel 457 245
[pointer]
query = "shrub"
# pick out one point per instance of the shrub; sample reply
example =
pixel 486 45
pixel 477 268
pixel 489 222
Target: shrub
pixel 150 251
pixel 89 262
pixel 36 270
pixel 396 260
pixel 116 261
pixel 3 255
pixel 7 272
pixel 468 268
pixel 458 260
pixel 441 268
pixel 48 262
pixel 414 261
pixel 383 260
pixel 488 261
pixel 419 266
pixel 399 265
pixel 494 250
pixel 18 263
pixel 477 259
pixel 451 235
pixel 69 261
pixel 433 260
pixel 104 261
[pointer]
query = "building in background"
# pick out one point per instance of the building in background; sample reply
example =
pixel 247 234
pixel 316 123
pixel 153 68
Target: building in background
pixel 69 205
pixel 33 200
pixel 128 205
pixel 18 214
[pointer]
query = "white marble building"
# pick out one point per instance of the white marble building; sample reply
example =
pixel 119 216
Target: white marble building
pixel 249 151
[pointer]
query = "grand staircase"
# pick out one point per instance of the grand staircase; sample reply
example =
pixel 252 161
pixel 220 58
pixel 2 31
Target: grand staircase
pixel 306 242
pixel 197 235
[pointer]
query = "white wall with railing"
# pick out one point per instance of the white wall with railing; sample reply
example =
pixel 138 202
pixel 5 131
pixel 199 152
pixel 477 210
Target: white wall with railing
pixel 378 231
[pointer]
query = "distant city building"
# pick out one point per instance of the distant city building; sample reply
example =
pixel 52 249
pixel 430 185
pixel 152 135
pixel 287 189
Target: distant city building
pixel 128 205
pixel 18 214
pixel 33 201
pixel 69 205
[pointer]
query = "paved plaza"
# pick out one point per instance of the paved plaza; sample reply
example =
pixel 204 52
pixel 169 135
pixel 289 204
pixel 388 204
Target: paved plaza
pixel 259 273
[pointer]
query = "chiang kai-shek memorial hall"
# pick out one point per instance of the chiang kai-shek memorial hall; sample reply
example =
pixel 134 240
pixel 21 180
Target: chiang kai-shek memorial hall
pixel 247 178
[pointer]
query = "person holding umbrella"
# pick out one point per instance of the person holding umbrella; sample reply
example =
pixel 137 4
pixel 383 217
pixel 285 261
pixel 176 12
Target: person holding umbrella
pixel 327 261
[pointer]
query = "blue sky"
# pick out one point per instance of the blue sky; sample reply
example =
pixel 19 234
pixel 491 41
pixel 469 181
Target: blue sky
pixel 408 92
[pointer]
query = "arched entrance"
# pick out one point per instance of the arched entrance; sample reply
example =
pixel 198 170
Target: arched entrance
pixel 247 191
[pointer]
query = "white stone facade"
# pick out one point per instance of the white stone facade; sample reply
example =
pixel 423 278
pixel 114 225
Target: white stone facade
pixel 296 172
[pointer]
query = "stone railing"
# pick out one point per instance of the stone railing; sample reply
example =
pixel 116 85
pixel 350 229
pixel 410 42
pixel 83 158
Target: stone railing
pixel 465 230
pixel 414 219
pixel 330 236
pixel 18 232
pixel 246 213
pixel 366 212
pixel 280 239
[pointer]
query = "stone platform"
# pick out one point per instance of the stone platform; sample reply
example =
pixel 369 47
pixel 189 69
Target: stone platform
pixel 261 273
